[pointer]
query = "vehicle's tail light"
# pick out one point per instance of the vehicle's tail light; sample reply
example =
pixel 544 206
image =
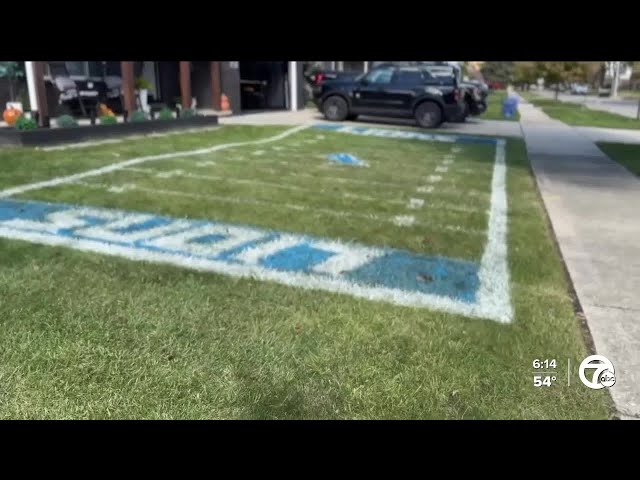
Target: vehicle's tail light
pixel 319 78
pixel 456 94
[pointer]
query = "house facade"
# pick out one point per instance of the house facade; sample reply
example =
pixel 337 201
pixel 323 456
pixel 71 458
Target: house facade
pixel 249 86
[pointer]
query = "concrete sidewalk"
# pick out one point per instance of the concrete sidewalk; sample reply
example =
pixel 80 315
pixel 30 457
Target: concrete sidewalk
pixel 593 206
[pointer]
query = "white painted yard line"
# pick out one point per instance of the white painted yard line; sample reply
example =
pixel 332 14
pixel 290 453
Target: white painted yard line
pixel 447 162
pixel 243 181
pixel 139 160
pixel 124 139
pixel 291 206
pixel 286 186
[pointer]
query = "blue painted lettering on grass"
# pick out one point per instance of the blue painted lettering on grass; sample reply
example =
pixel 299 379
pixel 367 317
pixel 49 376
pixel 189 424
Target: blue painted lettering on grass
pixel 299 259
pixel 393 133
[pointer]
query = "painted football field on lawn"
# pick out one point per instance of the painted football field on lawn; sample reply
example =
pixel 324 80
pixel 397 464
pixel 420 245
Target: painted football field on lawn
pixel 265 272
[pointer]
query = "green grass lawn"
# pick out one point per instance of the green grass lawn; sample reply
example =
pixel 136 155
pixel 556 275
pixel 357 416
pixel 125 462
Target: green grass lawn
pixel 579 115
pixel 494 107
pixel 91 336
pixel 623 153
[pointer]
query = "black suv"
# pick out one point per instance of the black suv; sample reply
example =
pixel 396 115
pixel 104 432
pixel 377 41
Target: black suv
pixel 393 91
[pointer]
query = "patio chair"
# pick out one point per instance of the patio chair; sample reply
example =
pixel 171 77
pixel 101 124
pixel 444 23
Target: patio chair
pixel 69 93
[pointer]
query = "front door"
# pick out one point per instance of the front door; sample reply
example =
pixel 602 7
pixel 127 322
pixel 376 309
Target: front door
pixel 369 95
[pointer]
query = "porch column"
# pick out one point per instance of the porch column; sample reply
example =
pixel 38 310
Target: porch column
pixel 185 84
pixel 366 67
pixel 40 93
pixel 293 86
pixel 31 86
pixel 128 87
pixel 341 66
pixel 216 89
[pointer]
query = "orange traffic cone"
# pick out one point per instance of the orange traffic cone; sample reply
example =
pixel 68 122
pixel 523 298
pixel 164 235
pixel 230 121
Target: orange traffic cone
pixel 224 103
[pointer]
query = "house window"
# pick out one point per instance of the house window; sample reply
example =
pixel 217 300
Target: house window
pixel 77 69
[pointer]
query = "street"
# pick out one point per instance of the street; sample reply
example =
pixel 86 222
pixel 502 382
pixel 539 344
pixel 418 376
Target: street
pixel 626 108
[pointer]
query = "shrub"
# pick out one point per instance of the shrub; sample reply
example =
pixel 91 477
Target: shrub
pixel 108 120
pixel 142 84
pixel 66 121
pixel 188 113
pixel 24 123
pixel 165 114
pixel 138 116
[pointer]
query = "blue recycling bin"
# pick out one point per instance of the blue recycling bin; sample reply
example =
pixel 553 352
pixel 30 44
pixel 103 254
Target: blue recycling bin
pixel 510 106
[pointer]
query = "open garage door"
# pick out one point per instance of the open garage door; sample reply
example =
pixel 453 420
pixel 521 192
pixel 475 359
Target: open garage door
pixel 263 86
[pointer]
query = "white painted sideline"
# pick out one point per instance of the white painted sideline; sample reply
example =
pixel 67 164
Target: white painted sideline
pixel 494 297
pixel 137 161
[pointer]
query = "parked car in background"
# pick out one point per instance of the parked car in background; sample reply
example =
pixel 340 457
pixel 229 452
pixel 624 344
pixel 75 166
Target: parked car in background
pixel 604 91
pixel 393 91
pixel 579 89
pixel 316 78
pixel 474 97
pixel 496 86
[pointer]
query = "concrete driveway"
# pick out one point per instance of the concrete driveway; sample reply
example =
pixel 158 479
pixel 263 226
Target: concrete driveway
pixel 473 126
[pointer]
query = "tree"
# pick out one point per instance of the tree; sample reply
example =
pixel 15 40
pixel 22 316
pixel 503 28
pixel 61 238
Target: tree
pixel 498 71
pixel 525 74
pixel 12 71
pixel 557 73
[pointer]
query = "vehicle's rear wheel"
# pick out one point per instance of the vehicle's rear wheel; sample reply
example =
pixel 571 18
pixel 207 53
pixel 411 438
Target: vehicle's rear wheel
pixel 335 108
pixel 428 115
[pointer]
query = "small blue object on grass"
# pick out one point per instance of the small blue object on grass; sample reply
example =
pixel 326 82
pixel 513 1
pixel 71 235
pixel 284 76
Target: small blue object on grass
pixel 347 159
pixel 510 106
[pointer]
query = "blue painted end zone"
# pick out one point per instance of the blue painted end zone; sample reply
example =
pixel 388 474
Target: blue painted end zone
pixel 405 134
pixel 389 268
pixel 435 275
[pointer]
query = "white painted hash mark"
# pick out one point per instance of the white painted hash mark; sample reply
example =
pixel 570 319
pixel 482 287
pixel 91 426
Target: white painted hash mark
pixel 206 163
pixel 442 169
pixel 415 203
pixel 170 173
pixel 404 220
pixel 425 189
pixel 434 178
pixel 258 152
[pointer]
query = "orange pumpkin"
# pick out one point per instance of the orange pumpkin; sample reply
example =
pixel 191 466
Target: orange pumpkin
pixel 224 103
pixel 10 115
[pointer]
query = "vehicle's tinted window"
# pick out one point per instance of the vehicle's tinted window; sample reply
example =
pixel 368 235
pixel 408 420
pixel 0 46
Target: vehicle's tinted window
pixel 435 77
pixel 379 76
pixel 408 77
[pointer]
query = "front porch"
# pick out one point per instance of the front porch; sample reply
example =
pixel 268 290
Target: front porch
pixel 77 88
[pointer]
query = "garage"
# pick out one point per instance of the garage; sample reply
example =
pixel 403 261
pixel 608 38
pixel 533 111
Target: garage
pixel 263 86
